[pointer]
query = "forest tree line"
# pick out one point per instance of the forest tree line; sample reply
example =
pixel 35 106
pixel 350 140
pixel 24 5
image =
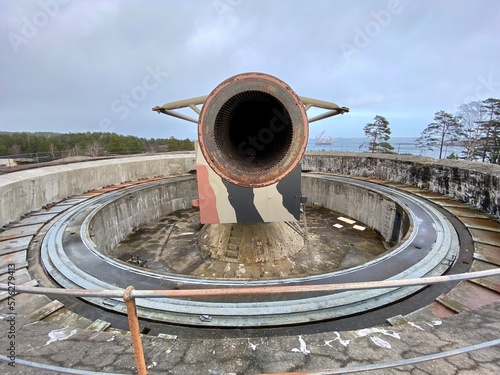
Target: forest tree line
pixel 56 145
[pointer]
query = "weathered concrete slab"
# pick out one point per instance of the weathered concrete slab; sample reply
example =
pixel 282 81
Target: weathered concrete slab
pixel 488 253
pixel 111 352
pixel 46 310
pixel 26 303
pixel 464 211
pixel 471 182
pixel 72 201
pixel 17 258
pixel 14 233
pixel 429 195
pixel 468 296
pixel 20 276
pixel 35 219
pixel 493 282
pixel 63 317
pixel 446 203
pixel 485 237
pixel 4 268
pixel 15 244
pixel 5 295
pixel 480 223
pixel 98 325
pixel 435 310
pixel 32 189
pixel 56 209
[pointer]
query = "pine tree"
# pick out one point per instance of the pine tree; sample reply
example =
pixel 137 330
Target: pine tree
pixel 379 134
pixel 446 130
pixel 490 141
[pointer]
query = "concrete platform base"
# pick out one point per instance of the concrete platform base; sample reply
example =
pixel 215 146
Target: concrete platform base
pixel 112 353
pixel 251 243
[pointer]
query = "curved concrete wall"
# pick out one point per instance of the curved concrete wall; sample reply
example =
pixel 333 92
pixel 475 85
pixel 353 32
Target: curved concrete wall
pixel 477 184
pixel 369 207
pixel 120 217
pixel 30 190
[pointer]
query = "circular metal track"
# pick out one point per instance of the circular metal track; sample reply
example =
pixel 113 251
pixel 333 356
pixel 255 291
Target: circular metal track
pixel 70 258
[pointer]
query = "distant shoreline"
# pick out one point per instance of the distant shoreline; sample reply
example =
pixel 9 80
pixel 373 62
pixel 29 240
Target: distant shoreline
pixel 402 145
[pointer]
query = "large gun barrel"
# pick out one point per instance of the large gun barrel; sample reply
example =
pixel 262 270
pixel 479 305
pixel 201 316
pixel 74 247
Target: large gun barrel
pixel 252 133
pixel 253 129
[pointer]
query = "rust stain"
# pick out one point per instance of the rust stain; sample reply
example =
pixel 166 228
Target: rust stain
pixel 440 311
pixel 470 296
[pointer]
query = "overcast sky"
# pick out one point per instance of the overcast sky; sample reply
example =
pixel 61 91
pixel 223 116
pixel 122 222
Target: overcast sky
pixel 72 66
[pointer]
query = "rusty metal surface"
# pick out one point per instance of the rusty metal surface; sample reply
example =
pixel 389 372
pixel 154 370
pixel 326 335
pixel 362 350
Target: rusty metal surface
pixel 253 130
pixel 411 189
pixel 135 331
pixel 251 290
pixel 124 185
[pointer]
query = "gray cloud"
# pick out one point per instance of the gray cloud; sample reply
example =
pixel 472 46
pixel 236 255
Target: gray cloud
pixel 102 65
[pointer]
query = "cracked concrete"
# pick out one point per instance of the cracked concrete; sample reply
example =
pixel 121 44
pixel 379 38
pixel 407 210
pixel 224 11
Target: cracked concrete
pixel 111 352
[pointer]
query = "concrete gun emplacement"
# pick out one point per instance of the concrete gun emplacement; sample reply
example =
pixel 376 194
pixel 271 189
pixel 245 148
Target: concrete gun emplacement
pixel 253 130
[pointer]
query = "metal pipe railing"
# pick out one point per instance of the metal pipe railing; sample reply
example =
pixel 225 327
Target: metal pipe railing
pixel 255 290
pixel 130 294
pixel 135 331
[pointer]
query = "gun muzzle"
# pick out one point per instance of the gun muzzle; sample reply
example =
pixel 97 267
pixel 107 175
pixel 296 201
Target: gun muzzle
pixel 253 130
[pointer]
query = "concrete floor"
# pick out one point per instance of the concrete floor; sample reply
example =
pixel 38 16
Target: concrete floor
pixel 170 246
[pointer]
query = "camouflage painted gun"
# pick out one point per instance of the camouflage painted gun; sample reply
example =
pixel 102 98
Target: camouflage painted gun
pixel 252 134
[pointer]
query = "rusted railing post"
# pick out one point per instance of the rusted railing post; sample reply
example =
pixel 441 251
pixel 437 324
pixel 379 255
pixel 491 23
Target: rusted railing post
pixel 135 332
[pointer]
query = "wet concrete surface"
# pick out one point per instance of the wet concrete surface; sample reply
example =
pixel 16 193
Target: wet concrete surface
pixel 170 246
